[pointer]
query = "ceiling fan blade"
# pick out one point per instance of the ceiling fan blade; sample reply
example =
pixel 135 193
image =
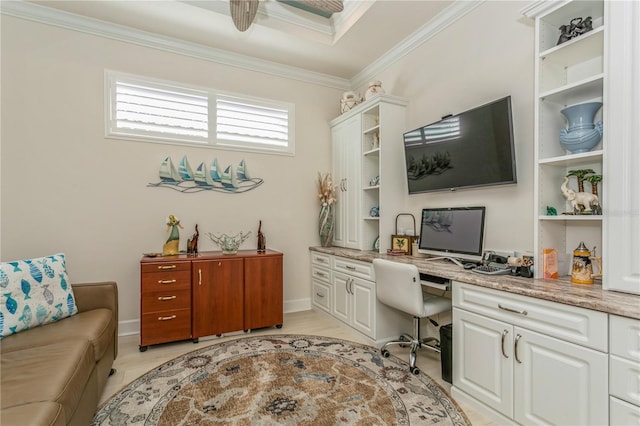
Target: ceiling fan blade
pixel 333 6
pixel 243 12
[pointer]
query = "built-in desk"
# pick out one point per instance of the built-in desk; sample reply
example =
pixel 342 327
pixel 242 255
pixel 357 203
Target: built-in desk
pixel 521 345
pixel 560 290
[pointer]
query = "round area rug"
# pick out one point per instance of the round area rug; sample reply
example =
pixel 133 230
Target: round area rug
pixel 282 379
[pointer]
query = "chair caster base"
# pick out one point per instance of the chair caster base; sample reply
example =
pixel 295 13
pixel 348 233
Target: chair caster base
pixel 385 353
pixel 414 370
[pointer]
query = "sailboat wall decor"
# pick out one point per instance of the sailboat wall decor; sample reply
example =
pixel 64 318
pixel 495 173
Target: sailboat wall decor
pixel 204 178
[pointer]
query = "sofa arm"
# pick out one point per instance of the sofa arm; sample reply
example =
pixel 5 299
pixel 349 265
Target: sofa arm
pixel 91 296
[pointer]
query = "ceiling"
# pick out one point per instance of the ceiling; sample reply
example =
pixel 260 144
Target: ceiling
pixel 340 46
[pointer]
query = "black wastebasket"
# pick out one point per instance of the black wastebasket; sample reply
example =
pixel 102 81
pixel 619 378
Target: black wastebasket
pixel 446 354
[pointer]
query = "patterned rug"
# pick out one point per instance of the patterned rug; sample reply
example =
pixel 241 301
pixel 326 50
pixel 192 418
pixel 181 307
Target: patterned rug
pixel 285 380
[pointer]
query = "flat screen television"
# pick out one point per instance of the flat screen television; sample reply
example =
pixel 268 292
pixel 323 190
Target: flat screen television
pixel 472 149
pixel 455 233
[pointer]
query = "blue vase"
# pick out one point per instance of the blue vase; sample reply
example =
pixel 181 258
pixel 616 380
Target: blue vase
pixel 582 134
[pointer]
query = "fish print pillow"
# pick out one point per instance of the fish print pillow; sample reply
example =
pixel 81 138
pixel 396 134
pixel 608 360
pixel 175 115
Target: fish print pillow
pixel 34 292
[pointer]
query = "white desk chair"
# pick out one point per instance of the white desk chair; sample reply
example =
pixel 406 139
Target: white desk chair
pixel 398 286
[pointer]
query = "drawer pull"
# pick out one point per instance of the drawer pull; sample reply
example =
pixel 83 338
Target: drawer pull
pixel 166 281
pixel 321 260
pixel 319 295
pixel 515 348
pixel 351 268
pixel 504 334
pixel 167 267
pixel 199 276
pixel 166 318
pixel 515 311
pixel 166 297
pixel 321 274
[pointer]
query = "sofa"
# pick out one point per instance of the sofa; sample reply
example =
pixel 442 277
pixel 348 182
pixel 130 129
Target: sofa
pixel 54 374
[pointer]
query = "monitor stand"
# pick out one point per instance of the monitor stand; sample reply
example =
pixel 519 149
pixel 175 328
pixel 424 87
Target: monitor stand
pixel 452 259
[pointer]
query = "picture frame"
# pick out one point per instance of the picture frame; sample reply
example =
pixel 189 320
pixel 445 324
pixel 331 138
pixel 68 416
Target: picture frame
pixel 402 242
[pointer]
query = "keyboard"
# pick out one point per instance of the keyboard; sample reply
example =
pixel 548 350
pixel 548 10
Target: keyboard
pixel 491 270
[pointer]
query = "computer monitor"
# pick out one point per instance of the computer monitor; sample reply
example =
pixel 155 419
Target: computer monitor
pixel 455 233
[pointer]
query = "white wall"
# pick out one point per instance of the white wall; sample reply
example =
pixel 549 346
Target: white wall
pixel 486 55
pixel 66 188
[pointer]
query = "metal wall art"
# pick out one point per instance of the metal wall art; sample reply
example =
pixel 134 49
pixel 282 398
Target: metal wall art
pixel 206 178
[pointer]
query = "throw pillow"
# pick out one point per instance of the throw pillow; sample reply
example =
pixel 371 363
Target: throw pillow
pixel 34 292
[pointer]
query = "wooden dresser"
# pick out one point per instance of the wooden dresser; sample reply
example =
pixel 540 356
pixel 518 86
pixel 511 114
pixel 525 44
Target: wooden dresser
pixel 188 297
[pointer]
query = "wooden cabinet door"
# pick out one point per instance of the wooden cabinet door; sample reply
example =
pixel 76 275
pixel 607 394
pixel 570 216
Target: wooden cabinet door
pixel 557 382
pixel 262 292
pixel 341 297
pixel 218 294
pixel 482 359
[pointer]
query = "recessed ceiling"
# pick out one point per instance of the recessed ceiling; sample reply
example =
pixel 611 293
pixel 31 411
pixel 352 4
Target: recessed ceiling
pixel 340 46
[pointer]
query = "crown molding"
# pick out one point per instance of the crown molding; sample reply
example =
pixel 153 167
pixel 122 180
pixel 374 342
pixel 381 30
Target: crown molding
pixel 445 18
pixel 45 15
pixel 540 7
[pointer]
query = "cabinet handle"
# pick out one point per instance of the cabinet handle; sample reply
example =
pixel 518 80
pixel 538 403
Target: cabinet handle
pixel 319 295
pixel 167 267
pixel 166 318
pixel 321 274
pixel 351 285
pixel 515 311
pixel 199 276
pixel 504 334
pixel 351 268
pixel 346 285
pixel 219 263
pixel 321 260
pixel 166 281
pixel 166 297
pixel 515 348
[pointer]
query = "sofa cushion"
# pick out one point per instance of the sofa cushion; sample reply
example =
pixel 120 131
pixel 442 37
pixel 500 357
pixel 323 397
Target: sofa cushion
pixel 34 292
pixel 44 413
pixel 96 326
pixel 58 372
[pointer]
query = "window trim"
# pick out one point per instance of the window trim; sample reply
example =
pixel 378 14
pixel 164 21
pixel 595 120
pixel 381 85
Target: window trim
pixel 111 132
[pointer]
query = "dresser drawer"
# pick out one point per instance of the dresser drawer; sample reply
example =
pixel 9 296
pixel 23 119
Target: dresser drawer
pixel 321 259
pixel 167 326
pixel 624 337
pixel 166 300
pixel 166 281
pixel 354 268
pixel 321 295
pixel 321 274
pixel 165 267
pixel 622 413
pixel 578 325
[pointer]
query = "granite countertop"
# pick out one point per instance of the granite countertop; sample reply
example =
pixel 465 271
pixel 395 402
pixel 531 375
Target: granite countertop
pixel 561 290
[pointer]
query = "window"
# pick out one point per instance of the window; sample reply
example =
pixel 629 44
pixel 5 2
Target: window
pixel 155 111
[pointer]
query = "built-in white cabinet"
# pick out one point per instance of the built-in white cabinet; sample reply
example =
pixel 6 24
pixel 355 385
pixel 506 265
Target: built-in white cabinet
pixel 624 370
pixel 602 65
pixel 527 360
pixel 567 74
pixel 347 175
pixel 622 158
pixel 367 149
pixel 346 289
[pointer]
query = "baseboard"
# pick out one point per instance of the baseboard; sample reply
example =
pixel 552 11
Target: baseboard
pixel 129 327
pixel 467 400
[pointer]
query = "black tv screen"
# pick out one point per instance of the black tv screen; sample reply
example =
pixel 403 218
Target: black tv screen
pixel 471 149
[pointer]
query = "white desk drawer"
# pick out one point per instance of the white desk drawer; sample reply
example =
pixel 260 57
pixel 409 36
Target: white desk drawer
pixel 320 273
pixel 354 268
pixel 622 413
pixel 578 325
pixel 321 295
pixel 624 379
pixel 624 338
pixel 321 259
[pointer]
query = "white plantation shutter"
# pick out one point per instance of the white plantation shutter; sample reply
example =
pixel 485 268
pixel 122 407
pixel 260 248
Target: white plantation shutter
pixel 241 122
pixel 158 111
